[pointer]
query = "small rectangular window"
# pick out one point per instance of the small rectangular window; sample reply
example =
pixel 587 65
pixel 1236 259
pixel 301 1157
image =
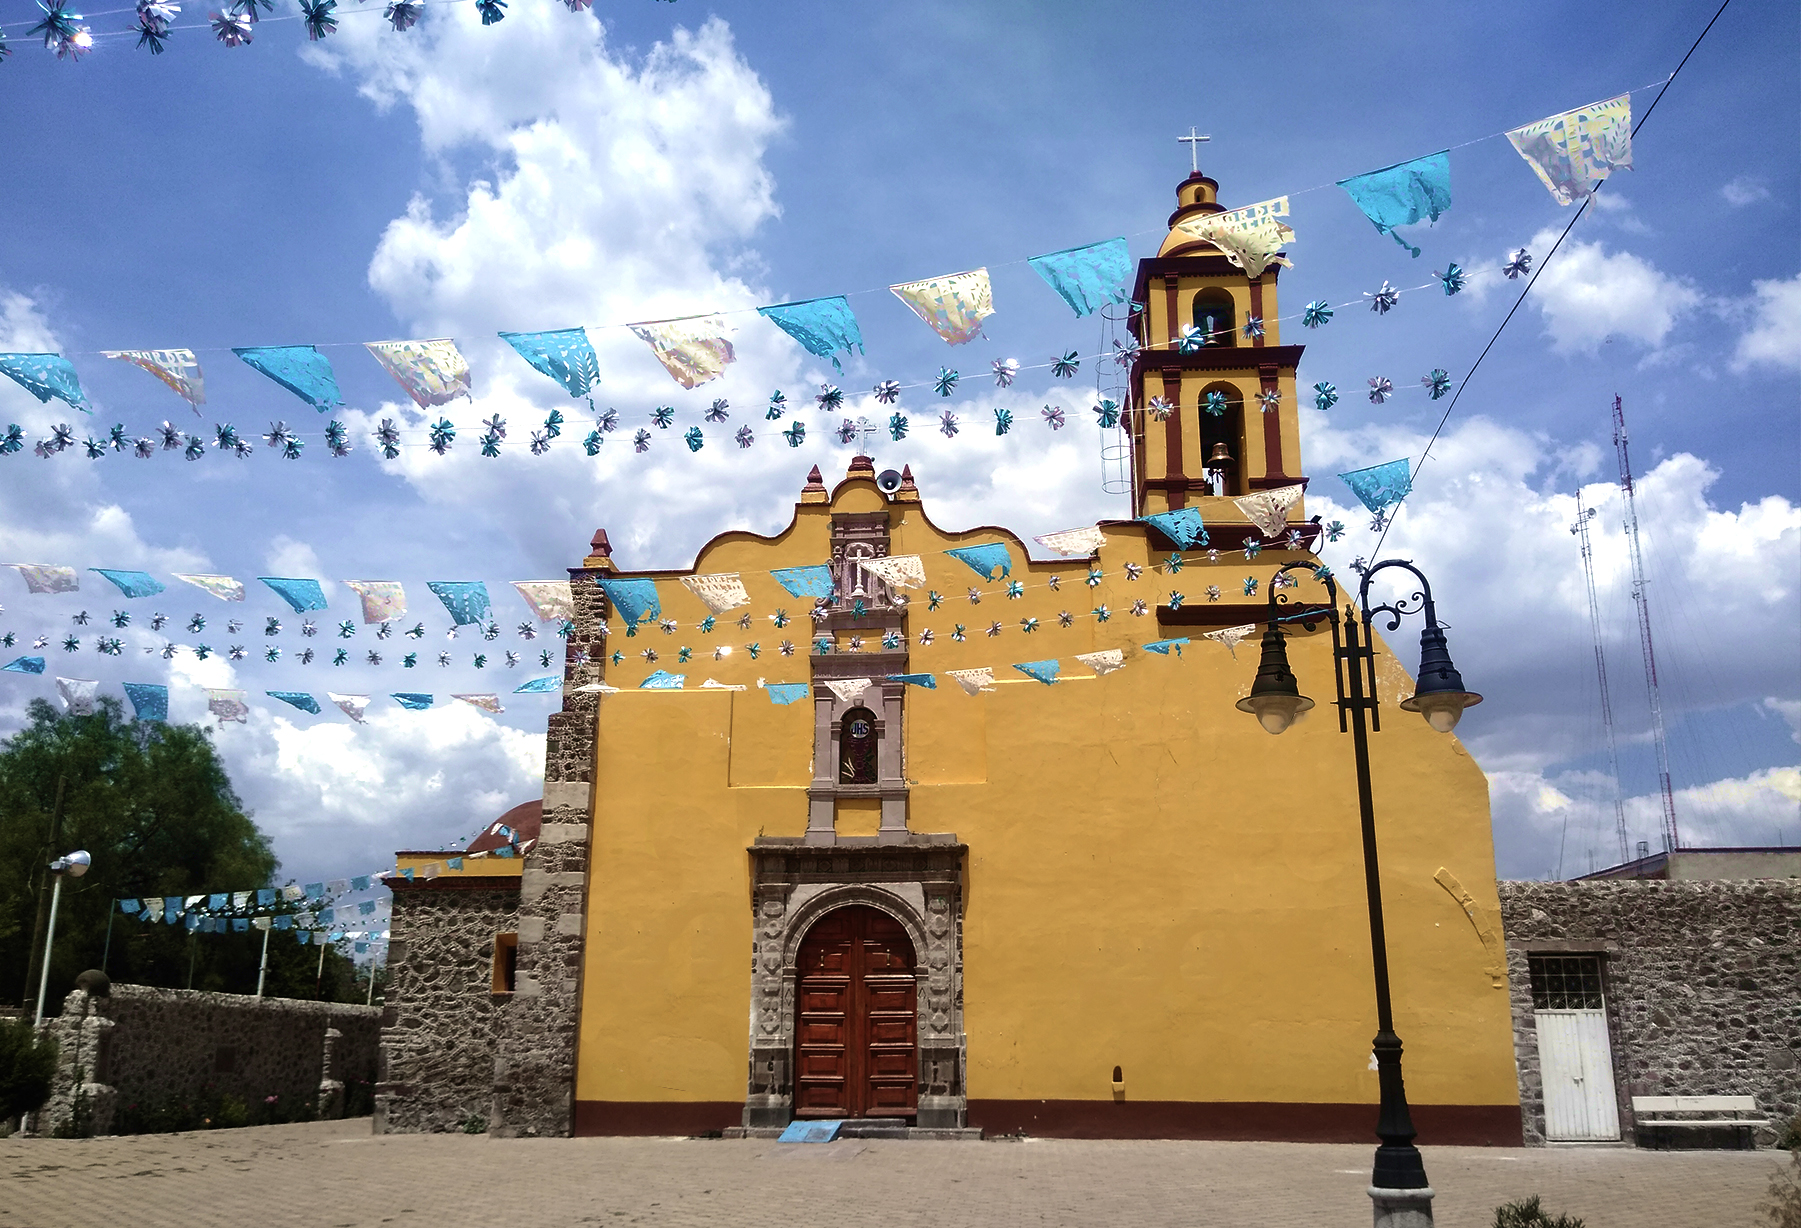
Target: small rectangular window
pixel 1565 982
pixel 506 962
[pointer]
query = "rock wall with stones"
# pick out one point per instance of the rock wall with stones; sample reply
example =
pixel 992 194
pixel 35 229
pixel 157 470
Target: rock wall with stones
pixel 1702 983
pixel 534 1054
pixel 439 1021
pixel 152 1045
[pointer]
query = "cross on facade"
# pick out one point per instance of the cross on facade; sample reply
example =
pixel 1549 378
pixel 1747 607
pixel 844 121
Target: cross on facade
pixel 1193 141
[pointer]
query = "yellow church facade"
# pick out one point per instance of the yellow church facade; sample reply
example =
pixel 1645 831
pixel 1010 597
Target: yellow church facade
pixel 1104 905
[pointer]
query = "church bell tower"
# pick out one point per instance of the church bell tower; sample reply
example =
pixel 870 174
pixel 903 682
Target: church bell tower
pixel 1205 327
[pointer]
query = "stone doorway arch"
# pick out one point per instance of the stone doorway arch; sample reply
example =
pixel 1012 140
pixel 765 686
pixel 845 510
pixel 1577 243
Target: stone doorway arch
pixel 916 886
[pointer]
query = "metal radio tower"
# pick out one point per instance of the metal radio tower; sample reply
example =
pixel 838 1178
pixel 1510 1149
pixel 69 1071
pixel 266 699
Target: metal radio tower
pixel 1671 838
pixel 1580 529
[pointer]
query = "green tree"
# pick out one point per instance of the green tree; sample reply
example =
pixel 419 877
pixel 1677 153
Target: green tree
pixel 27 1066
pixel 154 806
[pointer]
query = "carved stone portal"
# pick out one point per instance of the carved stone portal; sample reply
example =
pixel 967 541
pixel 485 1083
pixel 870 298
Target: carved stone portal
pixel 918 884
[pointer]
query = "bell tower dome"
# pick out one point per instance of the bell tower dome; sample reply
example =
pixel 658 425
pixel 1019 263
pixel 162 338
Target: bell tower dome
pixel 1213 388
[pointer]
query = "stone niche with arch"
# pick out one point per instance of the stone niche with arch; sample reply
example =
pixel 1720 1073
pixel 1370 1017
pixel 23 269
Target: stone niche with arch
pixel 1226 428
pixel 794 886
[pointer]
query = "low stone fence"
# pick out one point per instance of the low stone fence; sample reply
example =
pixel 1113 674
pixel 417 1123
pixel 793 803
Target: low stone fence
pixel 134 1057
pixel 1702 983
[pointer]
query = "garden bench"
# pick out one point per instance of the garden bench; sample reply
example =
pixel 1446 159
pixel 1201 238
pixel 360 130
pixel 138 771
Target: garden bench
pixel 1656 1115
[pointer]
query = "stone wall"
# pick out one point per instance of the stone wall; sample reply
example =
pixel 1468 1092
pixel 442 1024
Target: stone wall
pixel 438 1024
pixel 534 1054
pixel 1702 982
pixel 143 1046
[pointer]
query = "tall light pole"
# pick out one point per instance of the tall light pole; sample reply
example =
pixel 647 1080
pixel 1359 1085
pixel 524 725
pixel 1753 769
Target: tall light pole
pixel 75 865
pixel 1398 1185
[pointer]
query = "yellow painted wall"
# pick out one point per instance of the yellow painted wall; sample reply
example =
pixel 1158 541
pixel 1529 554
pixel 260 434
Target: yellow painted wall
pixel 1153 881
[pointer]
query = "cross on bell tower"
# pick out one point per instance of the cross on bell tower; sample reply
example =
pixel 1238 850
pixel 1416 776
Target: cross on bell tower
pixel 1193 141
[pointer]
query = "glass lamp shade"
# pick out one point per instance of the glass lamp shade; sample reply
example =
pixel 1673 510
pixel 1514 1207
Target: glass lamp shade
pixel 1275 712
pixel 1439 696
pixel 74 865
pixel 1442 709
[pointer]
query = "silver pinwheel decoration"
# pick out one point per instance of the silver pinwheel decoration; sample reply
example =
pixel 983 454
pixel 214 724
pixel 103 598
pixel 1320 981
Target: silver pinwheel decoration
pixel 946 383
pixel 1253 327
pixel 1160 409
pixel 233 28
pixel 947 424
pixel 744 437
pixel 1383 301
pixel 1005 369
pixel 1053 416
pixel 887 392
pixel 1380 388
pixel 1438 383
pixel 1518 264
pixel 318 19
pixel 387 438
pixel 718 411
pixel 1325 395
pixel 154 19
pixel 403 14
pixel 1066 366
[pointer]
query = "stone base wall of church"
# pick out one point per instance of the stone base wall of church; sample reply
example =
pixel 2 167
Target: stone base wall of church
pixel 439 1024
pixel 1702 981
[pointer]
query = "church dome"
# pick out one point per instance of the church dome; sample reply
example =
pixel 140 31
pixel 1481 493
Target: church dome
pixel 525 820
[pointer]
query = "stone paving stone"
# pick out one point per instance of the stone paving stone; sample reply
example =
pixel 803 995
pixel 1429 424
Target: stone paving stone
pixel 338 1175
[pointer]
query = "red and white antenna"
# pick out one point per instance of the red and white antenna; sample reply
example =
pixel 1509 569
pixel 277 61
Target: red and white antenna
pixel 1580 530
pixel 1671 838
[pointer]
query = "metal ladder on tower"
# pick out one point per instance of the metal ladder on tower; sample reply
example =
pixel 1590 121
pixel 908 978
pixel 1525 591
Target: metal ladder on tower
pixel 1580 530
pixel 1671 837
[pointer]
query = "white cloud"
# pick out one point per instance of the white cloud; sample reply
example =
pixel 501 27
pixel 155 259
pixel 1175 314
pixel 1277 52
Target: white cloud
pixel 1589 295
pixel 1743 191
pixel 1774 338
pixel 1761 807
pixel 1789 710
pixel 1489 524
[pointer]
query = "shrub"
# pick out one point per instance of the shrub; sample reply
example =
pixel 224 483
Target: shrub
pixel 473 1125
pixel 1783 1204
pixel 1526 1213
pixel 1790 1139
pixel 27 1066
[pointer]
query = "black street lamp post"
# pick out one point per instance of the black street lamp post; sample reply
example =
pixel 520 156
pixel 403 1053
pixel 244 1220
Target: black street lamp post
pixel 1398 1181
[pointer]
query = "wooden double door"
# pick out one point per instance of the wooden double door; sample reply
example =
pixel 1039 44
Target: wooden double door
pixel 857 1026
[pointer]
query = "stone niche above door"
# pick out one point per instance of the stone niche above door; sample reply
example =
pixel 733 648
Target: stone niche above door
pixel 917 884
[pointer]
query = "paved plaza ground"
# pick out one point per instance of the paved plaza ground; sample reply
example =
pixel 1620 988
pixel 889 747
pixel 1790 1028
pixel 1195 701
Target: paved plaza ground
pixel 336 1175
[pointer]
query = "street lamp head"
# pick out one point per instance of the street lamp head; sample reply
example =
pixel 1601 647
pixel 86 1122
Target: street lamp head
pixel 74 864
pixel 1439 696
pixel 1275 698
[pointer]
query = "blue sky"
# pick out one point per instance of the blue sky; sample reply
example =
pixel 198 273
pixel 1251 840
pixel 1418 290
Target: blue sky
pixel 651 159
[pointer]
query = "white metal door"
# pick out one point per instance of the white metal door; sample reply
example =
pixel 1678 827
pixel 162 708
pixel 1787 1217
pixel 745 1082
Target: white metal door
pixel 1576 1064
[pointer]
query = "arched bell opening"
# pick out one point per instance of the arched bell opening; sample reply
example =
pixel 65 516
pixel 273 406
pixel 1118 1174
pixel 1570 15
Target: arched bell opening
pixel 1222 437
pixel 1215 318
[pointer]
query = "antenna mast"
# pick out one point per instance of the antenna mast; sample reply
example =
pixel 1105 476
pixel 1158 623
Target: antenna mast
pixel 1580 529
pixel 1671 838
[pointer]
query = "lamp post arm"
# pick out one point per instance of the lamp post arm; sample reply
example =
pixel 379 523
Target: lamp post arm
pixel 1400 606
